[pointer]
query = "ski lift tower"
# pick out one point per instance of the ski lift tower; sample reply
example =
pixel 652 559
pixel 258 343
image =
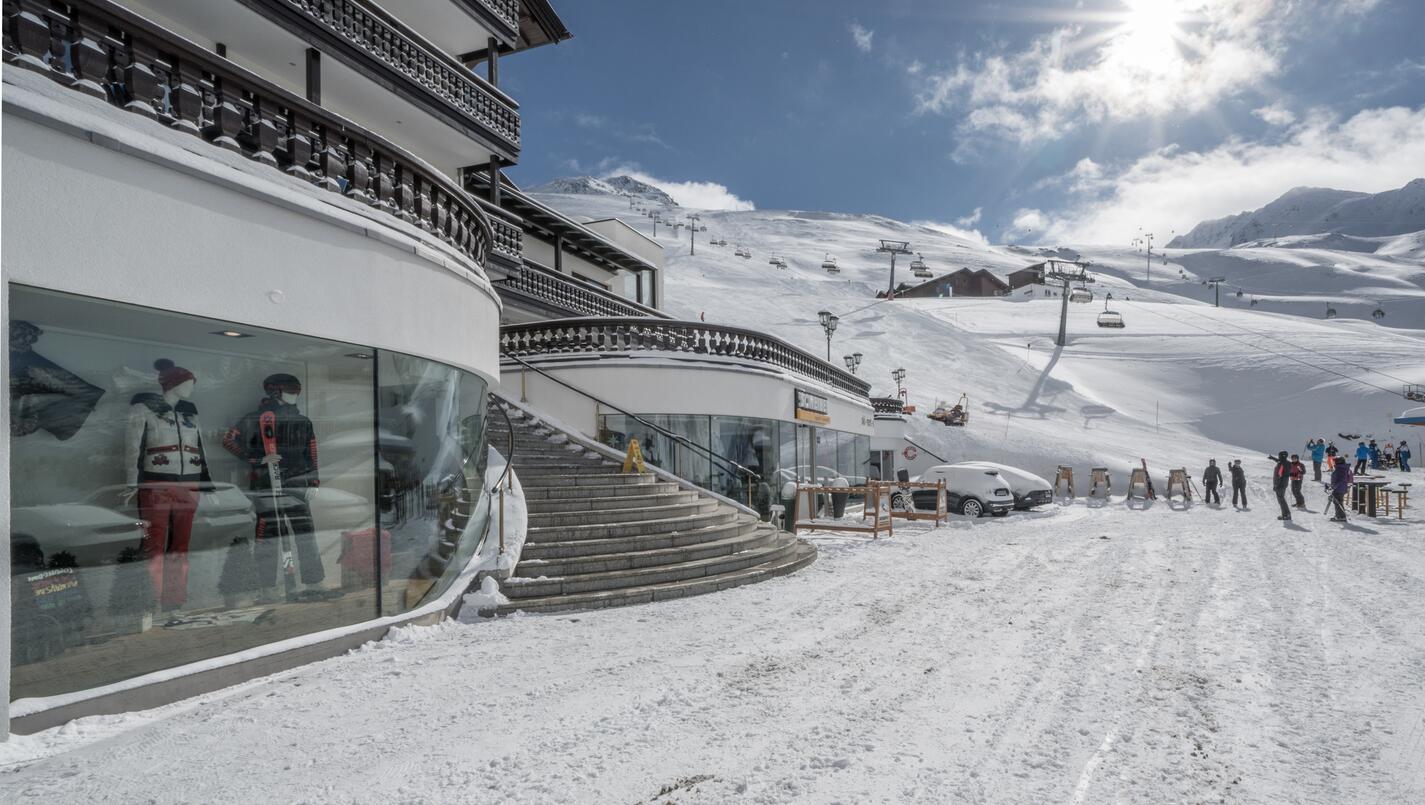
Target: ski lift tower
pixel 692 232
pixel 1066 271
pixel 657 218
pixel 1216 283
pixel 1145 242
pixel 893 248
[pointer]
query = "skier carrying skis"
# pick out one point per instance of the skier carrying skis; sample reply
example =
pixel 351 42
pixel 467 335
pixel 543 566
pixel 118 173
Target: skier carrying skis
pixel 1298 474
pixel 1318 455
pixel 1211 479
pixel 1341 478
pixel 1239 483
pixel 1281 479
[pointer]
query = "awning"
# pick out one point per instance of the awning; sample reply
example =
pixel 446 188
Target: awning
pixel 1415 416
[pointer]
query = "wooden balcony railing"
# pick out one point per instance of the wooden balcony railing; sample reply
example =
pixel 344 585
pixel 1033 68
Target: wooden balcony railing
pixel 888 405
pixel 567 336
pixel 567 294
pixel 379 44
pixel 106 51
pixel 502 15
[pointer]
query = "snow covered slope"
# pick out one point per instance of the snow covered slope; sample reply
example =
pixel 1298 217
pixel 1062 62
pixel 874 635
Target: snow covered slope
pixel 620 186
pixel 1183 382
pixel 1316 210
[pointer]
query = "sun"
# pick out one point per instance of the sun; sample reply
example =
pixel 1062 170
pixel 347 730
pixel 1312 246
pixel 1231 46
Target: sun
pixel 1147 37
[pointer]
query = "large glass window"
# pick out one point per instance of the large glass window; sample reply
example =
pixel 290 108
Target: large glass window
pixel 752 443
pixel 184 488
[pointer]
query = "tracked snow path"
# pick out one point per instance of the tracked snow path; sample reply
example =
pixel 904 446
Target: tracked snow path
pixel 1090 655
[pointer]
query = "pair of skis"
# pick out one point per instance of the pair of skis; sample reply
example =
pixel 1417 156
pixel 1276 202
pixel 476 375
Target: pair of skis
pixel 267 426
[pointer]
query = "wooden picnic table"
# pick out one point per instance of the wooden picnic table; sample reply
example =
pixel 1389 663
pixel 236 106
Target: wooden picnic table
pixel 1365 492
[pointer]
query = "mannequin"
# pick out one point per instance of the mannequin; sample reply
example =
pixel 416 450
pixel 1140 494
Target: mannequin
pixel 287 514
pixel 165 466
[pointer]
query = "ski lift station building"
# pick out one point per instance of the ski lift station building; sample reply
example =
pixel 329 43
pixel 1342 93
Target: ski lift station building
pixel 353 266
pixel 964 282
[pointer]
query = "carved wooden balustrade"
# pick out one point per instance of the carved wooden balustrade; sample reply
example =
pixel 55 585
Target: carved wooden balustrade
pixel 108 52
pixel 599 335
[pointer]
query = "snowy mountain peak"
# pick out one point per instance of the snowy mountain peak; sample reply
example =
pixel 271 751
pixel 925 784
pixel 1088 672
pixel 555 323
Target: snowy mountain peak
pixel 1315 210
pixel 611 186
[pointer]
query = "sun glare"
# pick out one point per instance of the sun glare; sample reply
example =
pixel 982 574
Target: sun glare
pixel 1147 38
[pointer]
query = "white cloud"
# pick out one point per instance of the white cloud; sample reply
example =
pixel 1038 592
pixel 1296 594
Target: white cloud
pixel 1077 75
pixel 1276 114
pixel 698 195
pixel 1375 150
pixel 1028 223
pixel 960 230
pixel 971 219
pixel 915 67
pixel 861 36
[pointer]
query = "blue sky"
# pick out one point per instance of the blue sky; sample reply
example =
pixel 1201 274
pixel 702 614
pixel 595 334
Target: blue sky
pixel 1032 121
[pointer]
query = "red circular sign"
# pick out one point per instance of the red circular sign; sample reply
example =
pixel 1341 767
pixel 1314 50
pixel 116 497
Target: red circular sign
pixel 910 452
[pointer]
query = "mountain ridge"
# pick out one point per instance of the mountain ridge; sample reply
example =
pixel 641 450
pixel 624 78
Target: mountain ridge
pixel 1315 210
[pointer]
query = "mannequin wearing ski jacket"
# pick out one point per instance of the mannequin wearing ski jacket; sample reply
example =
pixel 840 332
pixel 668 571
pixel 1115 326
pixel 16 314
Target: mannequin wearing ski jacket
pixel 296 445
pixel 163 443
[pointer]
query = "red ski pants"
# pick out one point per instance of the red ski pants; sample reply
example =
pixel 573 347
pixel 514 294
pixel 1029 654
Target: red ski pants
pixel 169 510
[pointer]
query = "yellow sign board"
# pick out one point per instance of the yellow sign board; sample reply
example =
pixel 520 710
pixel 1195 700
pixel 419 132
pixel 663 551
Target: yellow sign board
pixel 634 457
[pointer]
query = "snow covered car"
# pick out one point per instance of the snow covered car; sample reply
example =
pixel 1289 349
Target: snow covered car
pixel 1029 490
pixel 969 490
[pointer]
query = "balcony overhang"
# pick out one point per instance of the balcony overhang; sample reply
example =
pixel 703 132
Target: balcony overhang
pixel 395 57
pixel 538 24
pixel 549 224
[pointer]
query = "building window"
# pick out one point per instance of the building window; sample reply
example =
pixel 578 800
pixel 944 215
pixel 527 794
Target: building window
pixel 184 488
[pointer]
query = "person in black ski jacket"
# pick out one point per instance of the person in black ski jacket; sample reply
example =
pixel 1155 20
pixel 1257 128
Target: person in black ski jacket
pixel 1298 475
pixel 1281 479
pixel 1340 484
pixel 1211 479
pixel 1239 483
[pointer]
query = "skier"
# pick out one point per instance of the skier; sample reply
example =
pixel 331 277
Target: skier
pixel 1318 455
pixel 1363 454
pixel 1281 478
pixel 1373 451
pixel 1332 456
pixel 1239 483
pixel 1298 474
pixel 1211 479
pixel 1402 453
pixel 1340 485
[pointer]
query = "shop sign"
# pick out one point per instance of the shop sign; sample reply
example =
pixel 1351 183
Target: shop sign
pixel 812 408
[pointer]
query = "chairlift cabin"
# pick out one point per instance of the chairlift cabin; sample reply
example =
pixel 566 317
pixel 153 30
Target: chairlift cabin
pixel 1378 313
pixel 743 253
pixel 1330 312
pixel 919 268
pixel 1254 301
pixel 1081 295
pixel 1111 318
pixel 1239 294
pixel 830 265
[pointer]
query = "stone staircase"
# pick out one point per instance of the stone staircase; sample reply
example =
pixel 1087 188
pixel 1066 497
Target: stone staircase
pixel 600 538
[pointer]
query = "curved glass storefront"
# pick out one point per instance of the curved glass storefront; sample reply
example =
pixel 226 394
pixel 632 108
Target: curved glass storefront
pixel 779 452
pixel 185 488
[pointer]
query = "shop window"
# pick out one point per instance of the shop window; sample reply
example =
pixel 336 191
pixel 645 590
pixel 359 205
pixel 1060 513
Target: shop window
pixel 184 488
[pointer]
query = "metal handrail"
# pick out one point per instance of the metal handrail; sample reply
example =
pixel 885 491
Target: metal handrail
pixel 919 447
pixel 753 474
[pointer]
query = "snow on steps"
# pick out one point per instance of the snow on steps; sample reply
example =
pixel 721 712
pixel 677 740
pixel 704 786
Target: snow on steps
pixel 599 537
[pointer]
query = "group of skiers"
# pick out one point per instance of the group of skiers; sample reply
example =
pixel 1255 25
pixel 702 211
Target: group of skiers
pixel 1288 474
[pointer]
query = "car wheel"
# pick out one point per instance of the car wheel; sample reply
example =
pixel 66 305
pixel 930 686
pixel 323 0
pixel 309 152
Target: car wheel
pixel 999 513
pixel 972 508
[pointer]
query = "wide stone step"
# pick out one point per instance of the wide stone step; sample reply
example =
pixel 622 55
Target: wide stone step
pixel 522 587
pixel 534 493
pixel 798 557
pixel 592 505
pixel 672 538
pixel 597 476
pixel 629 560
pixel 540 519
pixel 566 533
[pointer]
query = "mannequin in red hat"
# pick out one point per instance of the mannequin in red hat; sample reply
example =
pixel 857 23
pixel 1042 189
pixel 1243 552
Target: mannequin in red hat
pixel 164 465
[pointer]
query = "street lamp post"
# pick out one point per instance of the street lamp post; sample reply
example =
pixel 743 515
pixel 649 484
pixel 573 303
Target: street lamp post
pixel 898 375
pixel 893 248
pixel 829 321
pixel 852 361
